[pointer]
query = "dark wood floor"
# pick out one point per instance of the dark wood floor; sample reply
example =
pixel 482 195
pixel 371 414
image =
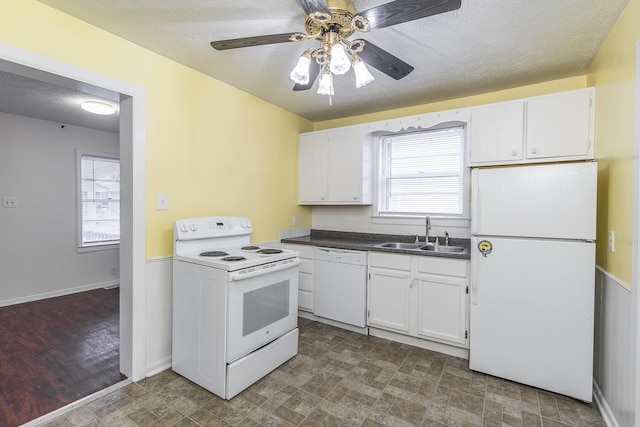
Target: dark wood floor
pixel 56 351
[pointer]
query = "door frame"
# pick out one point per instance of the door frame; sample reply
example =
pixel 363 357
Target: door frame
pixel 133 106
pixel 635 245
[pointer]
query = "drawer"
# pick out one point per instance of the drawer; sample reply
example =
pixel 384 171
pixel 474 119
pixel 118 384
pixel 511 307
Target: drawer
pixel 393 261
pixel 305 251
pixel 442 266
pixel 305 282
pixel 306 266
pixel 305 300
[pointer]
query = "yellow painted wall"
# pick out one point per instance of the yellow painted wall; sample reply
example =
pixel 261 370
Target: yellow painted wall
pixel 613 73
pixel 197 145
pixel 577 82
pixel 213 149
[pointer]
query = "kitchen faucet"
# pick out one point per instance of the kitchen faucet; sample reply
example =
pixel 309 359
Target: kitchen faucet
pixel 427 227
pixel 446 238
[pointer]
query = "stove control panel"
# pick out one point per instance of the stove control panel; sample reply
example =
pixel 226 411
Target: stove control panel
pixel 211 227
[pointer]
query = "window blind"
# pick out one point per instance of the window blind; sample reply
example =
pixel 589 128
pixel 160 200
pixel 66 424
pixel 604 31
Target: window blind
pixel 422 173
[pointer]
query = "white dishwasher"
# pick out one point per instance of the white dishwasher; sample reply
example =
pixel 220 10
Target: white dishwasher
pixel 340 285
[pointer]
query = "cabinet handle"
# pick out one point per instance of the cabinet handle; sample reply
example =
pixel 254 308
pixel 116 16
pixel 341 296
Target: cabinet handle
pixel 355 197
pixel 514 153
pixel 321 197
pixel 534 151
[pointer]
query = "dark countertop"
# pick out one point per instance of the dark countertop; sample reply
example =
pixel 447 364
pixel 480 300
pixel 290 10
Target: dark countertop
pixel 368 242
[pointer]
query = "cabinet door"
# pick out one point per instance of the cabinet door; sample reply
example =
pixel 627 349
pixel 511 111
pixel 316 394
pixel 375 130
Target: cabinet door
pixel 497 133
pixel 558 126
pixel 442 308
pixel 312 168
pixel 388 299
pixel 345 165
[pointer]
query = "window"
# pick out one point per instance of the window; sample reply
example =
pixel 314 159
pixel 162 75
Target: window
pixel 422 173
pixel 99 199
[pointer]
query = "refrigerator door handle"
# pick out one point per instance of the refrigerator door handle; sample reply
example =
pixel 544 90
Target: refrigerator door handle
pixel 473 285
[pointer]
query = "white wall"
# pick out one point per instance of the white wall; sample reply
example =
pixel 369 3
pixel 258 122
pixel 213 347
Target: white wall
pixel 38 249
pixel 361 219
pixel 614 351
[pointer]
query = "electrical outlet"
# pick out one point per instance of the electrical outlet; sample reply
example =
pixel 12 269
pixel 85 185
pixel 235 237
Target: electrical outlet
pixel 113 270
pixel 612 241
pixel 9 202
pixel 295 220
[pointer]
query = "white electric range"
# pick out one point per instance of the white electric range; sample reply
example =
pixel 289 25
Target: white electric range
pixel 235 304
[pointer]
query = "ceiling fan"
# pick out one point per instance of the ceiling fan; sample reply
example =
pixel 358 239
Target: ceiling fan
pixel 333 22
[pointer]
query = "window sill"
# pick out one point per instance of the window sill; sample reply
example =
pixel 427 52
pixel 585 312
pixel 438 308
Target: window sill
pixel 99 247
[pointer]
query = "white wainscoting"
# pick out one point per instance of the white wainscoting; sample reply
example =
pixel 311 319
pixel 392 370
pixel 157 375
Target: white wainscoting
pixel 614 351
pixel 159 302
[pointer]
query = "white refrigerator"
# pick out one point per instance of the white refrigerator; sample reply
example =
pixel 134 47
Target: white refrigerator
pixel 532 275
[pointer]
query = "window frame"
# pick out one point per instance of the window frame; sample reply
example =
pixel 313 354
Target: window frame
pixel 97 246
pixel 404 218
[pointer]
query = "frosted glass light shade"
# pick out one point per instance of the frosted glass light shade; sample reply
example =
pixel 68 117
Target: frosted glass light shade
pixel 99 108
pixel 340 61
pixel 300 73
pixel 325 86
pixel 363 76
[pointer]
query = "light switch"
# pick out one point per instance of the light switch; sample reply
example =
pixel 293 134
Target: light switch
pixel 9 202
pixel 163 202
pixel 612 241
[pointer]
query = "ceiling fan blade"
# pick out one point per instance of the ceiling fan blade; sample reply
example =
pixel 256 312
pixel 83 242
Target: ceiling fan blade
pixel 310 6
pixel 314 70
pixel 250 41
pixel 399 11
pixel 384 61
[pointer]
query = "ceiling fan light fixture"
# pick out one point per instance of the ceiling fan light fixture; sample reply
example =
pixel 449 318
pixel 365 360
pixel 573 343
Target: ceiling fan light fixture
pixel 325 86
pixel 300 73
pixel 100 108
pixel 362 73
pixel 340 62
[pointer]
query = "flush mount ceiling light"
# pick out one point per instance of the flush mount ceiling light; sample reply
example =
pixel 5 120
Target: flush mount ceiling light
pixel 332 22
pixel 99 108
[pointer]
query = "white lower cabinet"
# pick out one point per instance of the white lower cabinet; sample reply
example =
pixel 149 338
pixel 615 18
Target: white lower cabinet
pixel 389 298
pixel 305 275
pixel 423 297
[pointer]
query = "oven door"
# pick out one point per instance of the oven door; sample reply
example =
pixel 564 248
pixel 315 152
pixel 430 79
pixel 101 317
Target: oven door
pixel 261 308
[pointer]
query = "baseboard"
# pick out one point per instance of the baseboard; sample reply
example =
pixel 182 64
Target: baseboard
pixel 59 293
pixel 451 350
pixel 607 415
pixel 158 366
pixel 311 316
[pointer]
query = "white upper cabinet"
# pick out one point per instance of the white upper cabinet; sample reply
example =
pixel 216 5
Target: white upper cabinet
pixel 496 133
pixel 542 129
pixel 559 126
pixel 312 168
pixel 335 167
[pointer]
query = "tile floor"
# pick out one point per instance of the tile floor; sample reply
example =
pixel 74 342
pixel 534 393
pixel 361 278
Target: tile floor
pixel 341 378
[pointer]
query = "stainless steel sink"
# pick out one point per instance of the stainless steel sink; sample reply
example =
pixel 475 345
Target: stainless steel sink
pixel 441 248
pixel 400 245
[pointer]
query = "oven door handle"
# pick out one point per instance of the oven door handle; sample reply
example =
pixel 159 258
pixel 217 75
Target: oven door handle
pixel 235 276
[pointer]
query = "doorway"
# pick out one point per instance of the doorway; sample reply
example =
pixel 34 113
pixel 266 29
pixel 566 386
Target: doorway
pixel 132 100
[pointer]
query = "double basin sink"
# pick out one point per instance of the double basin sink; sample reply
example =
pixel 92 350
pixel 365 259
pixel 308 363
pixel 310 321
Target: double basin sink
pixel 420 247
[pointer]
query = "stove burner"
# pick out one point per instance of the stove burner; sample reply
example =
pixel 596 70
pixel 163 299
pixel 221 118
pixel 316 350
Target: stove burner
pixel 250 248
pixel 214 253
pixel 233 258
pixel 269 251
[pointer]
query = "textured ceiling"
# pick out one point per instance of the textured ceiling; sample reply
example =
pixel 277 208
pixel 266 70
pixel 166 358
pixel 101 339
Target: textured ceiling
pixel 30 97
pixel 484 46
